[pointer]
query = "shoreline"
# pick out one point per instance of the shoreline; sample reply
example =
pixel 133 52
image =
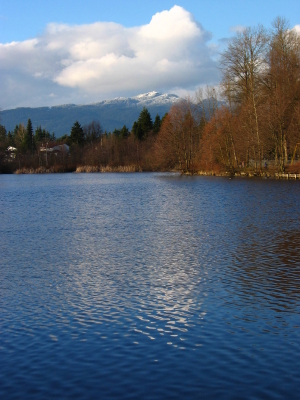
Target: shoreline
pixel 133 168
pixel 250 174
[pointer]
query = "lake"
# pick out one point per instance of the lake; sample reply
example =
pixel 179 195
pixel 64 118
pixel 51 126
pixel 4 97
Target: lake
pixel 150 285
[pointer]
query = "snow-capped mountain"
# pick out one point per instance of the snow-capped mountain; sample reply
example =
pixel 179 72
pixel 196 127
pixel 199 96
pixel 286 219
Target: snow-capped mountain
pixel 155 98
pixel 110 113
pixel 145 99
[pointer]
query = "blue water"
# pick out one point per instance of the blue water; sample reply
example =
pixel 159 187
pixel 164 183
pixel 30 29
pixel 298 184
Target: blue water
pixel 149 286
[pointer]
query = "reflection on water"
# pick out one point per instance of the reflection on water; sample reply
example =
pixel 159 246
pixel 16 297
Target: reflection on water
pixel 149 285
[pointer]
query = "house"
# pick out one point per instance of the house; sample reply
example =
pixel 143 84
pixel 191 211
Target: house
pixel 11 152
pixel 57 149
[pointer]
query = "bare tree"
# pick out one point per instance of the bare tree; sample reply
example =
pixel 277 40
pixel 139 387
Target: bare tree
pixel 282 89
pixel 92 131
pixel 178 140
pixel 242 64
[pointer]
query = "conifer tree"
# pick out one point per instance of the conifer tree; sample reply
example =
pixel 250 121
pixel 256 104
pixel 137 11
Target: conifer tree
pixel 38 134
pixel 143 125
pixel 134 128
pixel 77 134
pixel 124 132
pixel 10 139
pixel 16 130
pixel 121 133
pixel 157 124
pixel 145 121
pixel 2 137
pixel 28 139
pixel 2 133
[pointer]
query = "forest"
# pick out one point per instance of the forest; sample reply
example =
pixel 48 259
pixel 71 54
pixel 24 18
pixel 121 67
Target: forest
pixel 249 124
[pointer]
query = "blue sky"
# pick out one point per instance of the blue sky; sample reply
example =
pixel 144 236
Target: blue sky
pixel 20 20
pixel 65 56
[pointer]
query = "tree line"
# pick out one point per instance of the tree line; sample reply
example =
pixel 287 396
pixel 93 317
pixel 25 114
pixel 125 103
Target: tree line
pixel 261 88
pixel 89 145
pixel 250 121
pixel 253 120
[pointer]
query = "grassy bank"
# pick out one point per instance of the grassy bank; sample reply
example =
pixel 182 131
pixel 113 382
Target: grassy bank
pixel 292 172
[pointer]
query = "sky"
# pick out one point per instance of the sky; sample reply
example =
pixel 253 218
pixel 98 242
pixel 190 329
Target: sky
pixel 74 51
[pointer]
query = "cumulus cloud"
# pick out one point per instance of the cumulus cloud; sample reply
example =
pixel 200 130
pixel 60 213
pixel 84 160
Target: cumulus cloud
pixel 102 60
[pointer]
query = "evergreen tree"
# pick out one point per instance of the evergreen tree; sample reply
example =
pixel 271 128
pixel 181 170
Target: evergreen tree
pixel 140 134
pixel 121 133
pixel 117 132
pixel 157 124
pixel 77 134
pixel 3 142
pixel 2 134
pixel 134 128
pixel 46 135
pixel 10 139
pixel 42 135
pixel 64 138
pixel 28 139
pixel 145 121
pixel 143 125
pixel 16 131
pixel 124 132
pixel 38 134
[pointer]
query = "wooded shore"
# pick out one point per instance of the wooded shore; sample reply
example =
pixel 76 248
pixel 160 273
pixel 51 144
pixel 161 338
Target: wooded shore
pixel 131 169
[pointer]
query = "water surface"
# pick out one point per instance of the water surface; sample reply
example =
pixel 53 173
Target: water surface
pixel 149 286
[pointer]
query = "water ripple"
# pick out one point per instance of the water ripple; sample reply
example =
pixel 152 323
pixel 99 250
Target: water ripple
pixel 149 285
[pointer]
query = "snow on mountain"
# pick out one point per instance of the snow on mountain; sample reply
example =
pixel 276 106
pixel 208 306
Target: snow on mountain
pixel 145 99
pixel 155 98
pixel 112 113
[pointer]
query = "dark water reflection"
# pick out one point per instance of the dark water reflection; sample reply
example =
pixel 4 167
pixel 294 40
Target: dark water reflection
pixel 149 286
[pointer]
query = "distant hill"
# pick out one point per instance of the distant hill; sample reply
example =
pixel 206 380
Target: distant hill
pixel 110 113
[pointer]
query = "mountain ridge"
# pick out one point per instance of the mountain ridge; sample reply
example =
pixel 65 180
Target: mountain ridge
pixel 111 114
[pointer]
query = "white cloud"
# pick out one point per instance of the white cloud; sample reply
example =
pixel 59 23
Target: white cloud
pixel 237 29
pixel 103 60
pixel 297 29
